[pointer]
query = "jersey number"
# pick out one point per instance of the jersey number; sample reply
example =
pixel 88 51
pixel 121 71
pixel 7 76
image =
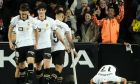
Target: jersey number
pixel 103 69
pixel 55 39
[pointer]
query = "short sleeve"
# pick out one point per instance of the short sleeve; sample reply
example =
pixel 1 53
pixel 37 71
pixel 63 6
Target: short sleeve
pixel 53 24
pixel 67 28
pixel 95 79
pixel 54 27
pixel 13 21
pixel 35 23
pixel 117 78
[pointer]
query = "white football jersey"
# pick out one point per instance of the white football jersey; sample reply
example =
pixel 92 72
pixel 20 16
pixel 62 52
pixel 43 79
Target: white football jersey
pixel 24 31
pixel 56 44
pixel 105 74
pixel 45 28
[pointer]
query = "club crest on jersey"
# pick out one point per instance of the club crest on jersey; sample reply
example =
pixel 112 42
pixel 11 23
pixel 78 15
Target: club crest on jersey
pixel 47 26
pixel 28 23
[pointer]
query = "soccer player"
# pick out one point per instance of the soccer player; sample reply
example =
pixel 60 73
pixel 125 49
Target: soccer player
pixel 107 75
pixel 58 49
pixel 26 32
pixel 45 26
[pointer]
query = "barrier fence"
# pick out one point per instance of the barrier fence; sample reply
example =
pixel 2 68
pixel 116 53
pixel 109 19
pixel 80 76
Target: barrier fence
pixel 91 58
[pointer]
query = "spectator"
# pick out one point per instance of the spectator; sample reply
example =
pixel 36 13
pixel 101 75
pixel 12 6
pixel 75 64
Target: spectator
pixel 110 25
pixel 5 18
pixel 61 2
pixel 107 74
pixel 79 14
pixel 70 20
pixel 93 5
pixel 102 9
pixel 60 7
pixel 1 30
pixel 51 9
pixel 136 26
pixel 89 30
pixel 72 5
pixel 38 2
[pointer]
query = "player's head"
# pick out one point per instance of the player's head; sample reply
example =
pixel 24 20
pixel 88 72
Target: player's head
pixel 107 70
pixel 24 11
pixel 59 15
pixel 41 8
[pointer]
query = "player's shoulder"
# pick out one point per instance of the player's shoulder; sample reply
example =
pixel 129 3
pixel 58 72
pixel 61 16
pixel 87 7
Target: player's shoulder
pixel 36 18
pixel 61 23
pixel 31 18
pixel 49 18
pixel 65 25
pixel 15 18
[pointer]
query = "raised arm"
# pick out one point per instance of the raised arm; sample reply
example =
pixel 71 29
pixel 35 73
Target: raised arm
pixel 73 6
pixel 121 13
pixel 95 20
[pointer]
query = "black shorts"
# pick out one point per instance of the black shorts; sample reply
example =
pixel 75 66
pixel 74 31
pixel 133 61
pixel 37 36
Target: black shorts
pixel 58 57
pixel 24 52
pixel 42 54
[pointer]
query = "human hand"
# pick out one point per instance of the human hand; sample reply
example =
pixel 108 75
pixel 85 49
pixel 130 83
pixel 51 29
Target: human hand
pixel 74 52
pixel 67 48
pixel 36 46
pixel 12 46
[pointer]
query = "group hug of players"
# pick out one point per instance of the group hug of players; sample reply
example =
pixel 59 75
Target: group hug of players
pixel 38 39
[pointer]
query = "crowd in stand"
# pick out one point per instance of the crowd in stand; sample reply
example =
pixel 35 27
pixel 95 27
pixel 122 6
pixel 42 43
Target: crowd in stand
pixel 94 21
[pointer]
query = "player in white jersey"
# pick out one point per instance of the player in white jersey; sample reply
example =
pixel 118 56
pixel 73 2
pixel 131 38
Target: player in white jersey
pixel 45 26
pixel 58 49
pixel 25 29
pixel 107 75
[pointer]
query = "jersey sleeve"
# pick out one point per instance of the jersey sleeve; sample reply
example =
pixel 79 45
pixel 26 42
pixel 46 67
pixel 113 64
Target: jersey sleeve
pixel 13 21
pixel 67 28
pixel 53 25
pixel 117 79
pixel 35 23
pixel 95 79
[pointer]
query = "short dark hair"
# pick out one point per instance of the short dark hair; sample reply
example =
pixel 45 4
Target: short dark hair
pixel 24 7
pixel 59 11
pixel 42 5
pixel 111 6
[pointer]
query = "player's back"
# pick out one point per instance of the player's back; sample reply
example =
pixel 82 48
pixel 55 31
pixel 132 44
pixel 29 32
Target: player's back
pixel 63 28
pixel 105 74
